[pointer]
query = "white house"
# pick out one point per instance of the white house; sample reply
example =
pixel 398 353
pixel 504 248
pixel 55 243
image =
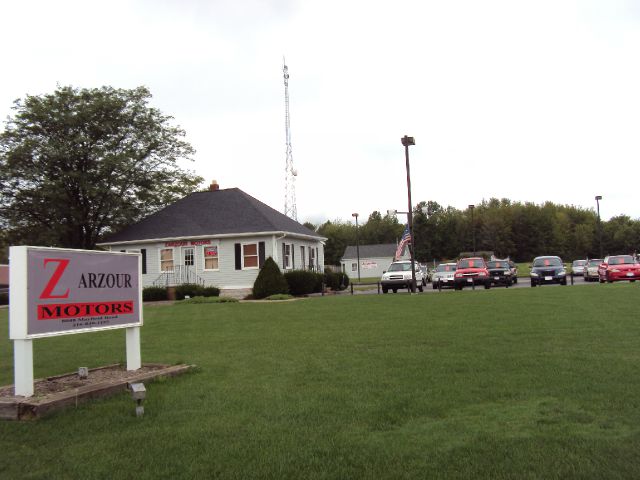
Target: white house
pixel 217 238
pixel 374 259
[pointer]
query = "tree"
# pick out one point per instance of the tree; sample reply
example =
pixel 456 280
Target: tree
pixel 270 281
pixel 79 163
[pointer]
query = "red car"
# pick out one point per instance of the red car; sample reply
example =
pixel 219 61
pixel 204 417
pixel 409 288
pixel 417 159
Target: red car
pixel 471 271
pixel 615 268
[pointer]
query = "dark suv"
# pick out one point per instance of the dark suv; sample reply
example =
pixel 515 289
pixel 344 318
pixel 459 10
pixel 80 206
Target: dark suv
pixel 500 272
pixel 471 271
pixel 549 269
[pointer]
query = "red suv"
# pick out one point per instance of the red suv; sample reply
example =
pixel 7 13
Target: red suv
pixel 471 271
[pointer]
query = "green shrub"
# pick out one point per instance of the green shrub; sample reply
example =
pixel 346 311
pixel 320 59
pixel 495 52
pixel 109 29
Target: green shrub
pixel 154 294
pixel 302 282
pixel 195 290
pixel 270 281
pixel 279 296
pixel 335 281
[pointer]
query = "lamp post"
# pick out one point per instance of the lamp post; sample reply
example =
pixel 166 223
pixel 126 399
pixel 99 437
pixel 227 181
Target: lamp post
pixel 357 244
pixel 598 198
pixel 407 141
pixel 473 229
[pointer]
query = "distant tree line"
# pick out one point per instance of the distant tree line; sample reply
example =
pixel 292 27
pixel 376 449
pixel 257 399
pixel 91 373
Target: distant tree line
pixel 517 230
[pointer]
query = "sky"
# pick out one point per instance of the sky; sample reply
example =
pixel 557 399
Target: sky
pixel 533 101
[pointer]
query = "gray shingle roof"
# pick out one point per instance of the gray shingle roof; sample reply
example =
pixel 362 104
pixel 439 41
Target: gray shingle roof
pixel 219 212
pixel 371 251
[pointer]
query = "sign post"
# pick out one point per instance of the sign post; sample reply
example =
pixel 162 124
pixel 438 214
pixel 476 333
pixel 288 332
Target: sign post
pixel 62 291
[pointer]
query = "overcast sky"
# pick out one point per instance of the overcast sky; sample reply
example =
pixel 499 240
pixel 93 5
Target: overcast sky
pixel 532 101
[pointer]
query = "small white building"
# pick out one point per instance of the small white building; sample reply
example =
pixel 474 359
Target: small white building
pixel 217 238
pixel 374 259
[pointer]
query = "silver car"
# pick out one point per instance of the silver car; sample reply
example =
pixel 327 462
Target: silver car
pixel 577 267
pixel 443 274
pixel 591 270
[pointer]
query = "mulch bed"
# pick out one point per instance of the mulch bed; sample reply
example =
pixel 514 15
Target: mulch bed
pixel 60 391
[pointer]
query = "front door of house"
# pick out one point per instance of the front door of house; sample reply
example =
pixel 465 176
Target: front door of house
pixel 188 265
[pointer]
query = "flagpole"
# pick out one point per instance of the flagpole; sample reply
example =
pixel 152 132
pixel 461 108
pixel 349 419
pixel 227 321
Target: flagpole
pixel 406 141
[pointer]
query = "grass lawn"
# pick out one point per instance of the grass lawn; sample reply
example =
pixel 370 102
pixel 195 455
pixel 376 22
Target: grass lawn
pixel 518 383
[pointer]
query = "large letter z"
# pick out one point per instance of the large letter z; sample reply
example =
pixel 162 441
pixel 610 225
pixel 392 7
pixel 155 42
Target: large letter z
pixel 55 278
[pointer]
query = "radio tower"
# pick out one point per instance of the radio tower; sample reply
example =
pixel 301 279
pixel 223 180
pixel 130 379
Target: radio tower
pixel 291 173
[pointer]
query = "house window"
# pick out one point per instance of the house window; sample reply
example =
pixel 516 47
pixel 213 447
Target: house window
pixel 312 258
pixel 189 256
pixel 302 258
pixel 211 258
pixel 166 260
pixel 354 267
pixel 287 256
pixel 250 255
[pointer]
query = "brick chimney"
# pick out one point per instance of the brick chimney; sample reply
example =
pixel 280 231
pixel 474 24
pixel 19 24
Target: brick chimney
pixel 214 186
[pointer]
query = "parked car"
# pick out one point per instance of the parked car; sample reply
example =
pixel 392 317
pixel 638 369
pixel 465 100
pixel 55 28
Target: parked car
pixel 577 267
pixel 500 272
pixel 399 276
pixel 443 275
pixel 471 271
pixel 615 268
pixel 514 271
pixel 591 269
pixel 548 269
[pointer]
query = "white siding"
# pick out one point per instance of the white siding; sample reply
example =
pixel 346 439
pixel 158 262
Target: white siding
pixel 226 277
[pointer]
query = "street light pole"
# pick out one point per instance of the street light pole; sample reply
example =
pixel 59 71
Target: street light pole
pixel 407 141
pixel 473 229
pixel 357 244
pixel 598 198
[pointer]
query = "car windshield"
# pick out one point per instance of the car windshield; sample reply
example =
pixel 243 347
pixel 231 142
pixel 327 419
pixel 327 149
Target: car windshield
pixel 400 267
pixel 579 263
pixel 594 262
pixel 446 268
pixel 547 262
pixel 497 264
pixel 471 263
pixel 621 260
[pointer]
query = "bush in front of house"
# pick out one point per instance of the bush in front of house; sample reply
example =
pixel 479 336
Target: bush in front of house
pixel 154 294
pixel 270 281
pixel 303 282
pixel 336 281
pixel 4 299
pixel 194 290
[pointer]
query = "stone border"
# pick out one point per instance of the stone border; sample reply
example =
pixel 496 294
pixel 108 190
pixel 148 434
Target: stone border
pixel 23 408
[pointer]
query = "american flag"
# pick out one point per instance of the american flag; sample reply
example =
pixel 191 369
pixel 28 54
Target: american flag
pixel 406 238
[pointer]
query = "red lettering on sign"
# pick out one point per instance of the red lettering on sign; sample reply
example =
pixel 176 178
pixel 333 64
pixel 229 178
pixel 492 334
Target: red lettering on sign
pixel 55 278
pixel 71 310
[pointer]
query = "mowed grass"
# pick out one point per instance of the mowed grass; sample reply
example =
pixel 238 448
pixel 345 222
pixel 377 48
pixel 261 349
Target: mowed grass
pixel 518 383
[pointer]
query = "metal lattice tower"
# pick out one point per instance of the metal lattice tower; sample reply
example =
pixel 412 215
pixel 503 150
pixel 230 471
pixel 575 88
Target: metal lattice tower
pixel 290 175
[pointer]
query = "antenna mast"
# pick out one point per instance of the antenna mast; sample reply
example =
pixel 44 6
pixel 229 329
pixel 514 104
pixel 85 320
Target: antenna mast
pixel 290 208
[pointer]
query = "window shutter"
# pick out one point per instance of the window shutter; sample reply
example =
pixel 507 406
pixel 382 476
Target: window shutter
pixel 143 252
pixel 238 256
pixel 260 254
pixel 317 259
pixel 293 257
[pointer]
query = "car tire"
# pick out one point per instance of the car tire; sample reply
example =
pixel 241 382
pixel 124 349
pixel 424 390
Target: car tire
pixel 600 279
pixel 395 290
pixel 433 285
pixel 563 282
pixel 421 288
pixel 515 280
pixel 487 285
pixel 385 290
pixel 533 284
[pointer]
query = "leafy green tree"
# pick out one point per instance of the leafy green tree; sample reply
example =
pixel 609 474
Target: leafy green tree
pixel 78 163
pixel 339 235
